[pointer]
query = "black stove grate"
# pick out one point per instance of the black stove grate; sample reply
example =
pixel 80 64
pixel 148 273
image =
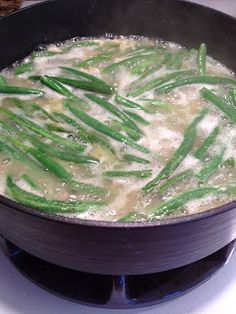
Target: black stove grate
pixel 117 291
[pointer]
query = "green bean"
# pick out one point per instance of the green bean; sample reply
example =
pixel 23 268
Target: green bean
pixel 89 77
pixel 133 158
pixel 130 132
pixel 117 112
pixel 136 83
pixel 195 80
pixel 7 127
pixel 177 60
pixel 86 85
pixel 31 183
pixel 61 173
pixel 88 188
pixel 41 131
pixel 50 206
pixel 180 177
pixel 25 105
pixel 230 162
pixel 11 132
pixel 50 164
pixel 232 97
pixel 16 150
pixel 128 103
pixel 131 217
pixel 123 173
pixel 62 154
pixel 129 61
pixel 53 84
pixel 57 128
pixel 201 152
pixel 136 117
pixel 23 68
pixel 157 103
pixel 140 49
pixel 68 120
pixel 93 61
pixel 3 80
pixel 179 155
pixel 211 167
pixel 146 66
pixel 11 151
pixel 154 67
pixel 202 59
pixel 176 202
pixel 219 103
pixel 140 67
pixel 150 71
pixel 84 134
pixel 95 84
pixel 97 139
pixel 8 89
pixel 157 82
pixel 102 128
pixel 15 141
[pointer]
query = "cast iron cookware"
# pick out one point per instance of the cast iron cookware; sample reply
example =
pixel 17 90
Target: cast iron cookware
pixel 105 247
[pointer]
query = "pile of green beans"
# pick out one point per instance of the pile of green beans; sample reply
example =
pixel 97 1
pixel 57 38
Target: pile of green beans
pixel 70 141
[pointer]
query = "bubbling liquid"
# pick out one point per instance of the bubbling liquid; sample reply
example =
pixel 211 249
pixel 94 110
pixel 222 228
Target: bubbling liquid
pixel 126 64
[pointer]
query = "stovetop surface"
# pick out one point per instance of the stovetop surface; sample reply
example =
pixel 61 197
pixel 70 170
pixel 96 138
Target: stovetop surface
pixel 20 296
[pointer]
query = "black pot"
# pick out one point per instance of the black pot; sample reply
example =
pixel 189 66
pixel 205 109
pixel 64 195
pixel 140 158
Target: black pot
pixel 105 247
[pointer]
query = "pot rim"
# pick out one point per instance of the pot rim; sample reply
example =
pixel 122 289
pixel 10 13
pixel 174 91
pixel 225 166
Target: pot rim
pixel 210 213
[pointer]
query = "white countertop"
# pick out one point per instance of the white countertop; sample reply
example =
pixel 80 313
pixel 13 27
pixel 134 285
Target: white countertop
pixel 20 296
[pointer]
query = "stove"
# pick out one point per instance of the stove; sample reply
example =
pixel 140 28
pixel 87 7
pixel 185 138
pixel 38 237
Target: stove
pixel 206 293
pixel 117 291
pixel 191 289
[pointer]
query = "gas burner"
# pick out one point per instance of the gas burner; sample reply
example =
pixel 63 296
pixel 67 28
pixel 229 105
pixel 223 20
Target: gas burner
pixel 117 291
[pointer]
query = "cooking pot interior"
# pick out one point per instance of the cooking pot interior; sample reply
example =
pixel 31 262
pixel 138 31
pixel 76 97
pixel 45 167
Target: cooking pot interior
pixel 176 21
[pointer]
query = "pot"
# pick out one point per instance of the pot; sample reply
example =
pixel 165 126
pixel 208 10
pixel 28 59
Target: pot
pixel 107 247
